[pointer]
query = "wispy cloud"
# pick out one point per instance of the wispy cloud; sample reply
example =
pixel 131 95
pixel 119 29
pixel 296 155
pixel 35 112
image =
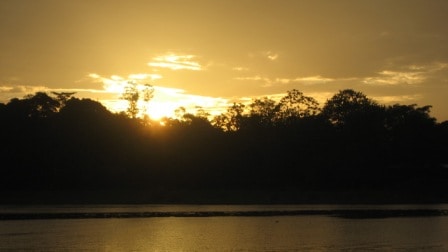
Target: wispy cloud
pixel 21 89
pixel 145 76
pixel 309 80
pixel 411 75
pixel 253 78
pixel 176 62
pixel 240 69
pixel 387 77
pixel 8 92
pixel 397 98
pixel 267 82
pixel 113 84
pixel 271 55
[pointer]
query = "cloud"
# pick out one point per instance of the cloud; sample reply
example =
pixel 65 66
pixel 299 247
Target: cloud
pixel 397 98
pixel 176 62
pixel 144 76
pixel 253 78
pixel 271 55
pixel 21 89
pixel 7 92
pixel 388 77
pixel 114 84
pixel 267 82
pixel 240 69
pixel 311 80
pixel 410 75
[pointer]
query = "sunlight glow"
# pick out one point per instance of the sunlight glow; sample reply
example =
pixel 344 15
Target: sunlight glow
pixel 164 102
pixel 167 100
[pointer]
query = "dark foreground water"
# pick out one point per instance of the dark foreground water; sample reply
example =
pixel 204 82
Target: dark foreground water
pixel 224 228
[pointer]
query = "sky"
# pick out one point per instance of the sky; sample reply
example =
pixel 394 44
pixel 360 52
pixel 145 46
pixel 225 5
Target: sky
pixel 211 53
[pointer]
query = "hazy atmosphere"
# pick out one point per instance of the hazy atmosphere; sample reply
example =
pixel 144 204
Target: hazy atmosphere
pixel 212 53
pixel 206 125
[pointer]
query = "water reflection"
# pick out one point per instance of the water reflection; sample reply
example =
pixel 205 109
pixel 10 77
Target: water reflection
pixel 269 233
pixel 147 211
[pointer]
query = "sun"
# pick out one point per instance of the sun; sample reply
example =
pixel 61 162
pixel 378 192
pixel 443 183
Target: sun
pixel 164 101
pixel 156 110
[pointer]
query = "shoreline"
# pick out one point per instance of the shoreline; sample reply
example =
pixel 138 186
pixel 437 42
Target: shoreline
pixel 339 213
pixel 234 197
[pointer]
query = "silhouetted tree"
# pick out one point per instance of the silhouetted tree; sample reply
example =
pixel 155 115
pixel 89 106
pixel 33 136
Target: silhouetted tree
pixel 148 94
pixel 37 106
pixel 348 106
pixel 355 145
pixel 232 119
pixel 262 112
pixel 80 109
pixel 296 105
pixel 409 119
pixel 132 95
pixel 63 97
pixel 411 132
pixel 2 108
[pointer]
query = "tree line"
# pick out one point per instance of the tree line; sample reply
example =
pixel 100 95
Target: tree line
pixel 57 142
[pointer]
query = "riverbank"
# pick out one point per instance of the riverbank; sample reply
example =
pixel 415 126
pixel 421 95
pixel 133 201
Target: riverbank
pixel 222 197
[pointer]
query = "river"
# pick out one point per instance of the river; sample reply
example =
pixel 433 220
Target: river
pixel 224 228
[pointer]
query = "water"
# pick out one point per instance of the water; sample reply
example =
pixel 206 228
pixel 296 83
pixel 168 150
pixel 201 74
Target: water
pixel 279 232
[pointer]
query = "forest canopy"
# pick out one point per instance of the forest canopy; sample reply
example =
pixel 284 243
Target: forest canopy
pixel 57 142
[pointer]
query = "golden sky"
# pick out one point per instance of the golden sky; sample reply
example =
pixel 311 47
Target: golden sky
pixel 211 52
